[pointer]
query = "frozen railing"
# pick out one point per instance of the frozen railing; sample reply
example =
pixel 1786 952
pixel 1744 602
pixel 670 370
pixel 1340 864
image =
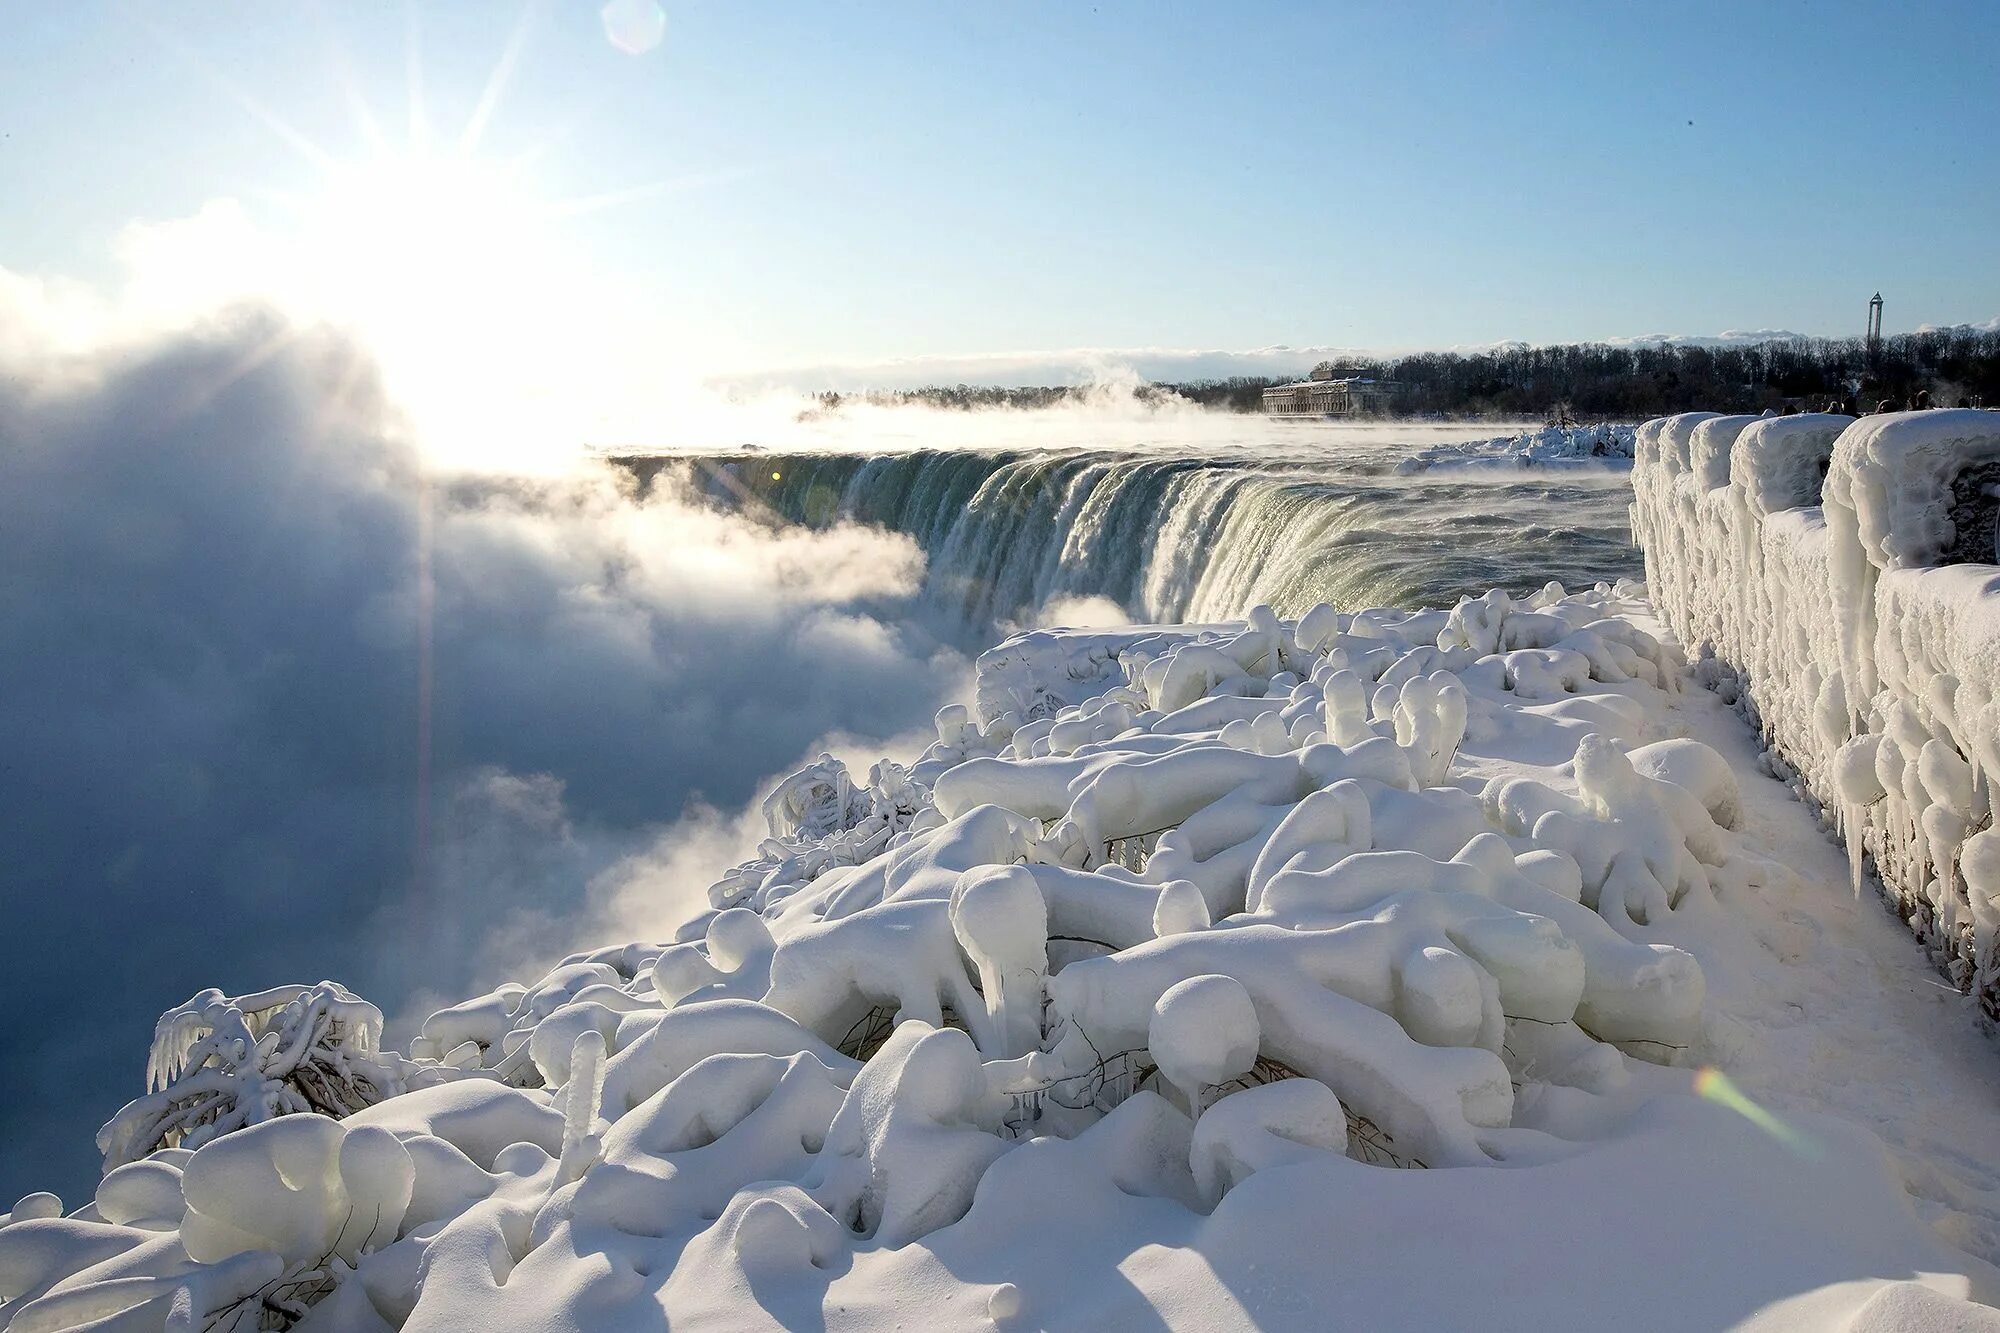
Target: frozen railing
pixel 1844 577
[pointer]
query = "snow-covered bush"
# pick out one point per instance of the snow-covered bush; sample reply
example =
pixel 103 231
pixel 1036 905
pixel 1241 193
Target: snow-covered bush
pixel 818 820
pixel 219 1063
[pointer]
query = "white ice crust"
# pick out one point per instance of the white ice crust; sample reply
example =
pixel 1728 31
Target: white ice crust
pixel 1550 449
pixel 1856 622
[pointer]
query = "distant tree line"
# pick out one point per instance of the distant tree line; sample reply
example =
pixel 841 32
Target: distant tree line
pixel 1591 381
pixel 967 397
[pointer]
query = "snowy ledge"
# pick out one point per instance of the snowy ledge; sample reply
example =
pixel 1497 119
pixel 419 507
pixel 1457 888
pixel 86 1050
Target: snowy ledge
pixel 1841 580
pixel 1226 975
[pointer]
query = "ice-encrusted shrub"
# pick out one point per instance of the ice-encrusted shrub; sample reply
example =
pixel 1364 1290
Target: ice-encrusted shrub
pixel 219 1063
pixel 819 820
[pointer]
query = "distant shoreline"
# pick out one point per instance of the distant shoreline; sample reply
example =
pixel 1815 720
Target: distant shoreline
pixel 1580 382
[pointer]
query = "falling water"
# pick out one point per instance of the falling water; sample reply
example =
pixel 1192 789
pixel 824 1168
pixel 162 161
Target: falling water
pixel 1178 536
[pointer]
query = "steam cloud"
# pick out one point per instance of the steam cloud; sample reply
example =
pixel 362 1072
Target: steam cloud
pixel 225 578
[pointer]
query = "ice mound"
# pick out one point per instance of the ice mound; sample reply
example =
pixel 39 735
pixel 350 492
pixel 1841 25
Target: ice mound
pixel 1552 448
pixel 1173 919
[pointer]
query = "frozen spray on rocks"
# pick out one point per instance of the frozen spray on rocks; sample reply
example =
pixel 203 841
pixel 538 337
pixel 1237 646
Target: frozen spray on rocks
pixel 1367 897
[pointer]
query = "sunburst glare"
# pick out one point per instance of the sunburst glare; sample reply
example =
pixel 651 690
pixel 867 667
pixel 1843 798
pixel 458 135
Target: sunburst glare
pixel 457 267
pixel 452 270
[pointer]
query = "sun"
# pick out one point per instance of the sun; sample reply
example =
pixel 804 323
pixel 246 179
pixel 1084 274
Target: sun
pixel 414 240
pixel 456 268
pixel 451 270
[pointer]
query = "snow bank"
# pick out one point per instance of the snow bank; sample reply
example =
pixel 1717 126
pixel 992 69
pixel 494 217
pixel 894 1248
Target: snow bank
pixel 1843 577
pixel 1184 949
pixel 1552 448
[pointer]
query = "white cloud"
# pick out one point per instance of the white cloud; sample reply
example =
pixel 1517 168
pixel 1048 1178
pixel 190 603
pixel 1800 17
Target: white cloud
pixel 1990 326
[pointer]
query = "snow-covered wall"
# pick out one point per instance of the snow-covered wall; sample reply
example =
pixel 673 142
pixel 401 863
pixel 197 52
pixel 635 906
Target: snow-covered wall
pixel 1845 577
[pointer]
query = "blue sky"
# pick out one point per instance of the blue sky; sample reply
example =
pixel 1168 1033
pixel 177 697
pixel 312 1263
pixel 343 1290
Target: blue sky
pixel 830 182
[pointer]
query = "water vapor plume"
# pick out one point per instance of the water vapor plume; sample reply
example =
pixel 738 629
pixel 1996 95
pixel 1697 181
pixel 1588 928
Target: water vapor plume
pixel 283 702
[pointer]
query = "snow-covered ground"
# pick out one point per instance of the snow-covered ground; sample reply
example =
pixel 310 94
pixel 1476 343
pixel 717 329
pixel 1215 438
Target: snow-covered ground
pixel 1552 448
pixel 1378 969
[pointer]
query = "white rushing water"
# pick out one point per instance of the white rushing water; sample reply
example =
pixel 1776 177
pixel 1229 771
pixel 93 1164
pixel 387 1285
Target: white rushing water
pixel 1288 514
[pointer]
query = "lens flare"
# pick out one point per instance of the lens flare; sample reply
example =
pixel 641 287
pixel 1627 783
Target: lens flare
pixel 1711 1084
pixel 634 26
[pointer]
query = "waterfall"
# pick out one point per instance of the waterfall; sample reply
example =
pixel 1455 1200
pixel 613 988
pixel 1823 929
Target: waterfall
pixel 1173 537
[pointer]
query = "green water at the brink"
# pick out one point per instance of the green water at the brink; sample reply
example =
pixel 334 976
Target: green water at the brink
pixel 1173 534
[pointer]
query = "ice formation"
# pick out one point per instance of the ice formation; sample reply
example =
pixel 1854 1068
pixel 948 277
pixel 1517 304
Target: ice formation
pixel 1842 580
pixel 1552 448
pixel 1173 921
pixel 219 1064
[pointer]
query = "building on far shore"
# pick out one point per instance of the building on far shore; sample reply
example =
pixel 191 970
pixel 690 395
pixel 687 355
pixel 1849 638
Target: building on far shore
pixel 1332 391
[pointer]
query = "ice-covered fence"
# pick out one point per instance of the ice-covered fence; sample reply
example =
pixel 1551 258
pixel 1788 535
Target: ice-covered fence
pixel 1847 573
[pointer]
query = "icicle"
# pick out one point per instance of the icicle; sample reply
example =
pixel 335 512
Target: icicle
pixel 1854 830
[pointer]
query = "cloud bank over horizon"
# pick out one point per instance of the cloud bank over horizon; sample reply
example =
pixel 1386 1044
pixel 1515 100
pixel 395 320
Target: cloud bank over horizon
pixel 284 704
